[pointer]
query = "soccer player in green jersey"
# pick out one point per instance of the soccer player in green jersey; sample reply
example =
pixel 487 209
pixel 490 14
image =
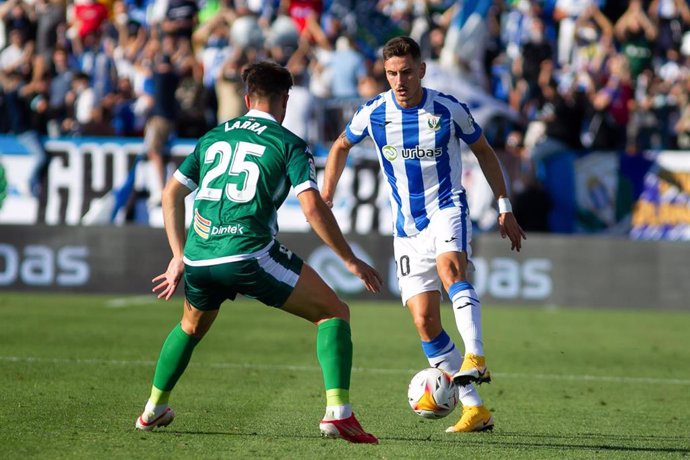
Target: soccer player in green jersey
pixel 242 171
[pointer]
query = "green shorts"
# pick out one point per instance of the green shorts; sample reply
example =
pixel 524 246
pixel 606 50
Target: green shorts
pixel 269 279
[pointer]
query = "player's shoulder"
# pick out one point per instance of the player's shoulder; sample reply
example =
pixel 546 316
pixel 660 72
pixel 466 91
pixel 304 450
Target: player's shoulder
pixel 443 98
pixel 373 103
pixel 452 104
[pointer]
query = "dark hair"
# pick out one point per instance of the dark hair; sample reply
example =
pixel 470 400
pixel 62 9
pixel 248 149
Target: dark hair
pixel 401 46
pixel 266 79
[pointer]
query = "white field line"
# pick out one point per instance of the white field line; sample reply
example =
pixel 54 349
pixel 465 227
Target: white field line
pixel 372 370
pixel 124 302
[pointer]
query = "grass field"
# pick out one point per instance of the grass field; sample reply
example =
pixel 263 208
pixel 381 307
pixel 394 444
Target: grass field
pixel 75 372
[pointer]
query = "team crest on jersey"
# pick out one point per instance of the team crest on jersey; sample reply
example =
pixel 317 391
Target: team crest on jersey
pixel 434 122
pixel 202 226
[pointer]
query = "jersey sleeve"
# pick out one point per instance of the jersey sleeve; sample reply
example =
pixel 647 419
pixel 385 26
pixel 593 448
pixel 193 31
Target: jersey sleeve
pixel 188 172
pixel 465 127
pixel 358 128
pixel 301 169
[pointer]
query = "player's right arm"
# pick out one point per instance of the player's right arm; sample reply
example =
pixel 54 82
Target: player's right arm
pixel 173 218
pixel 326 227
pixel 335 164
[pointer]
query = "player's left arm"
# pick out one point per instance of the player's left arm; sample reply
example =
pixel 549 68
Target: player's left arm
pixel 173 218
pixel 488 161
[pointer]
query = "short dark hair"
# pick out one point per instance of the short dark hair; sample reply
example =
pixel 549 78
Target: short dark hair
pixel 401 46
pixel 266 79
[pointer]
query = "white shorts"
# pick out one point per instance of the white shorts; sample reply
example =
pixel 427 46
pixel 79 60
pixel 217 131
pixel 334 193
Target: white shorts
pixel 450 230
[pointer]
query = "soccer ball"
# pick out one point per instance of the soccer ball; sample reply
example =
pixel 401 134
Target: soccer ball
pixel 432 393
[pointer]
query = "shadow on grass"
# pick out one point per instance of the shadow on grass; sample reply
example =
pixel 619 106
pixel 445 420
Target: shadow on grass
pixel 603 442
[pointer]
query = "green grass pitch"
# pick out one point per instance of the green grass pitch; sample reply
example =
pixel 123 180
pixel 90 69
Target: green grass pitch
pixel 75 372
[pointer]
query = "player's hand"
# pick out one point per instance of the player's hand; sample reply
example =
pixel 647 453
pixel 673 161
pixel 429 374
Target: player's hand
pixel 168 281
pixel 509 227
pixel 369 276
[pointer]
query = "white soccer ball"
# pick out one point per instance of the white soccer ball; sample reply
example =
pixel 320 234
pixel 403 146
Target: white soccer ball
pixel 432 393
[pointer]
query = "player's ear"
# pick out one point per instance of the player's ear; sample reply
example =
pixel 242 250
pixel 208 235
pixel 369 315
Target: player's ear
pixel 247 101
pixel 422 70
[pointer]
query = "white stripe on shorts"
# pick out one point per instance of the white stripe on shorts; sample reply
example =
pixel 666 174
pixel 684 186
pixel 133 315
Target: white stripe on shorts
pixel 273 268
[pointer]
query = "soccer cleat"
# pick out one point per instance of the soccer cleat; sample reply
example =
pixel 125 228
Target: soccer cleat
pixel 348 429
pixel 162 420
pixel 474 418
pixel 473 370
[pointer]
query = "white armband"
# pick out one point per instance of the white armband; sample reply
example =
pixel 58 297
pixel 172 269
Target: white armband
pixel 504 206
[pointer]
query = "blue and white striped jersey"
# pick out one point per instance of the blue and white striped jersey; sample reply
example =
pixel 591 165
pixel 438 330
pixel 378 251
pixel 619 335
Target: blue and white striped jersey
pixel 419 152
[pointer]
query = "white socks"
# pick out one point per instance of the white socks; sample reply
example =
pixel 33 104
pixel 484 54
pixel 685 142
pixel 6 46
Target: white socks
pixel 338 412
pixel 468 316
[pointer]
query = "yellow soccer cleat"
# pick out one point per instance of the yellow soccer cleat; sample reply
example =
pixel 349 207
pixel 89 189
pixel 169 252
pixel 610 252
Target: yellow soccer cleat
pixel 473 370
pixel 474 418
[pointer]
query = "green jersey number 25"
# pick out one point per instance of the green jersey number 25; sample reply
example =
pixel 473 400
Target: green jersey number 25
pixel 238 165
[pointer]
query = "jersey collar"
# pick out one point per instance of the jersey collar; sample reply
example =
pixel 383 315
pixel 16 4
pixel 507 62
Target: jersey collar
pixel 416 107
pixel 260 114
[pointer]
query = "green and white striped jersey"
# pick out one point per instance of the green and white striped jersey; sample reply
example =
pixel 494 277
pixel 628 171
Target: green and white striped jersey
pixel 242 170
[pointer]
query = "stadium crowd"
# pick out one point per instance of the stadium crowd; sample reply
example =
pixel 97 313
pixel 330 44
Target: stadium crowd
pixel 581 74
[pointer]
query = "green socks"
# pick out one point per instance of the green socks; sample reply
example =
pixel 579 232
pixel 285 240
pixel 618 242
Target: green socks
pixel 174 357
pixel 334 351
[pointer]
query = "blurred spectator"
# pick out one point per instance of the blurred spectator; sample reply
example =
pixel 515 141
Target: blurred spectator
pixel 682 128
pixel 593 40
pixel 211 40
pixel 229 86
pixel 16 57
pixel 671 17
pixel 531 202
pixel 19 15
pixel 80 101
pixel 562 114
pixel 60 85
pixel 535 51
pixel 566 13
pixel 300 110
pixel 51 15
pixel 180 18
pixel 139 11
pixel 347 69
pixel 22 102
pixel 303 11
pixel 191 101
pixel 98 61
pixel 561 117
pixel 121 104
pixel 611 106
pixel 88 16
pixel 161 124
pixel 635 32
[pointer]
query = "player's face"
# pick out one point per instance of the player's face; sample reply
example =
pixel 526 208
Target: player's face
pixel 404 75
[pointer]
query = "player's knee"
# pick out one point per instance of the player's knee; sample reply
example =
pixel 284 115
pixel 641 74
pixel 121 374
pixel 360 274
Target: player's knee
pixel 451 273
pixel 427 325
pixel 338 310
pixel 194 328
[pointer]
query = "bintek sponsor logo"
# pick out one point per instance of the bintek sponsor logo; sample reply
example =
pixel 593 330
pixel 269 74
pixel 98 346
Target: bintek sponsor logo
pixel 416 152
pixel 204 227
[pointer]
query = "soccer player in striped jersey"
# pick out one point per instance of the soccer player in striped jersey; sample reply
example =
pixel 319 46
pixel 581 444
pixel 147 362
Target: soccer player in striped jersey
pixel 417 133
pixel 242 171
